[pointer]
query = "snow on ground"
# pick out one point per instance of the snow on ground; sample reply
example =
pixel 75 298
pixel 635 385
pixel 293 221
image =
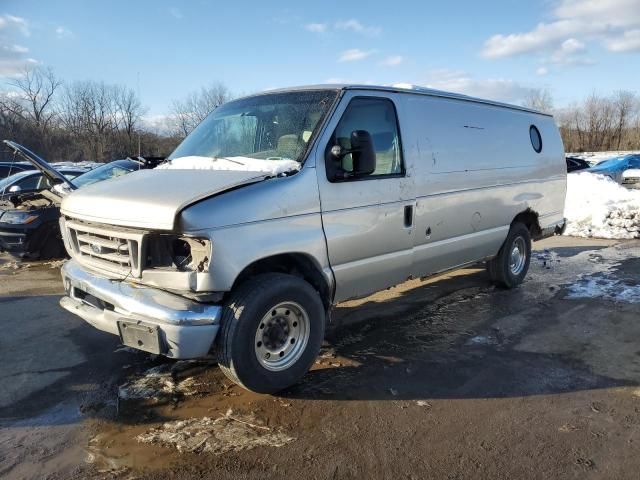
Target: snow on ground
pixel 596 206
pixel 228 433
pixel 597 157
pixel 271 167
pixel 604 286
pixel 156 383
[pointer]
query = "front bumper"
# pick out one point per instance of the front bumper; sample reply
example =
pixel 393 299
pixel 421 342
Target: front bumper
pixel 184 328
pixel 16 241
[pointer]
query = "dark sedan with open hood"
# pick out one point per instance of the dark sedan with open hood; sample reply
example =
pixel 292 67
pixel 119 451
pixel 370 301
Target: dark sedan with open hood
pixel 29 225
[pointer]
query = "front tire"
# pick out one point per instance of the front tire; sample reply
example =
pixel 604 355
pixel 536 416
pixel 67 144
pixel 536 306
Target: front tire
pixel 510 266
pixel 272 329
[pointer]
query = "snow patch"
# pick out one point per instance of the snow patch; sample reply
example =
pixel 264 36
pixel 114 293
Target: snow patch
pixel 596 206
pixel 482 340
pixel 228 433
pixel 606 287
pixel 271 166
pixel 155 383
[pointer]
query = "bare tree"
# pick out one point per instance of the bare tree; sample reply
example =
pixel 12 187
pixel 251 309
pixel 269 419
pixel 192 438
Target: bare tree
pixel 539 99
pixel 129 111
pixel 33 99
pixel 188 113
pixel 102 117
pixel 626 106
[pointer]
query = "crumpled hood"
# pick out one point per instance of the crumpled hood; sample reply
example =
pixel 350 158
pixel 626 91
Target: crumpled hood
pixel 150 198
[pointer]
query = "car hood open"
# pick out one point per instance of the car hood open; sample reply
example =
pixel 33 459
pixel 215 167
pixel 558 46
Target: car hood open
pixel 47 170
pixel 151 199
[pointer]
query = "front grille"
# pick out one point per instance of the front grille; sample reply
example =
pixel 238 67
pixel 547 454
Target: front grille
pixel 107 248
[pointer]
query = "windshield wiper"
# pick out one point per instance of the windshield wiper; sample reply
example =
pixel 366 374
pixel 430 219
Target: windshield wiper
pixel 229 160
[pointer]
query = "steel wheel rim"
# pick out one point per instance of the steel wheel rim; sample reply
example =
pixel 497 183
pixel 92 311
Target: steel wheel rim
pixel 518 256
pixel 282 336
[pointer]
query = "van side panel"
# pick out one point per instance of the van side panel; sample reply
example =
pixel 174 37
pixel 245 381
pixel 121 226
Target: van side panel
pixel 474 170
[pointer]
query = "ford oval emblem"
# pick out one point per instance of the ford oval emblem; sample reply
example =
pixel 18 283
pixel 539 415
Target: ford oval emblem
pixel 95 248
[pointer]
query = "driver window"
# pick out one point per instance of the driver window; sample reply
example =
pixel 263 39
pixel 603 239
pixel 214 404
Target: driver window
pixel 378 117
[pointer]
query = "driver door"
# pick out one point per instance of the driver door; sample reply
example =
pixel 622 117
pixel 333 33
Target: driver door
pixel 368 221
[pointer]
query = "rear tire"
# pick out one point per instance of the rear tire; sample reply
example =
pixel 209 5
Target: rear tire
pixel 510 266
pixel 272 329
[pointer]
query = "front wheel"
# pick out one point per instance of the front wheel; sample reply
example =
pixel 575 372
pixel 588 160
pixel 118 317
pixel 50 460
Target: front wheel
pixel 272 329
pixel 511 265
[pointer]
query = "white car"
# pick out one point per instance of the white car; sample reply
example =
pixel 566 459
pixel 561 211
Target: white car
pixel 631 178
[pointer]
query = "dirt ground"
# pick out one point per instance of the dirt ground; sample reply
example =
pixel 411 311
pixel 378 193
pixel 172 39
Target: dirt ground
pixel 444 378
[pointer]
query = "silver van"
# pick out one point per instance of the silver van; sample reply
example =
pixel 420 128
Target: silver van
pixel 282 204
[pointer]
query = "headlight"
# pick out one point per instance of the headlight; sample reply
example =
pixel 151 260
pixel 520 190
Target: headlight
pixel 17 217
pixel 185 254
pixel 191 254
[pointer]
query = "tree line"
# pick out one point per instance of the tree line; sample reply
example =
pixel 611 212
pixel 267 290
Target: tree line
pixel 597 123
pixel 91 120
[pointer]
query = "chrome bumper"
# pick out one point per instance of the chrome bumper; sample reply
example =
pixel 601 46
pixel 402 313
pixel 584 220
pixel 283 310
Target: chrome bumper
pixel 186 328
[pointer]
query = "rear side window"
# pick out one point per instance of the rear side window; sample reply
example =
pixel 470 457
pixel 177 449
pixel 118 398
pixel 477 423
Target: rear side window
pixel 536 139
pixel 378 117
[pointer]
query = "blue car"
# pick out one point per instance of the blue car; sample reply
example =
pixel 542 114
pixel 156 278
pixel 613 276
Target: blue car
pixel 614 167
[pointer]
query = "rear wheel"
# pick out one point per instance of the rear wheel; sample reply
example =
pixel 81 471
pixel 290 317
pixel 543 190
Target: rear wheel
pixel 511 265
pixel 272 329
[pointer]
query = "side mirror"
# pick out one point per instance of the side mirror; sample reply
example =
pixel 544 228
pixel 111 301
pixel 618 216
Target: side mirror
pixel 362 153
pixel 15 189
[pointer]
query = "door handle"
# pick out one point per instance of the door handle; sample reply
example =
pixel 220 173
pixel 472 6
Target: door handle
pixel 408 216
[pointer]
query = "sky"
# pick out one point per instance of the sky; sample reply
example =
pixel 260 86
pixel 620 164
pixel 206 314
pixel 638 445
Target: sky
pixel 166 49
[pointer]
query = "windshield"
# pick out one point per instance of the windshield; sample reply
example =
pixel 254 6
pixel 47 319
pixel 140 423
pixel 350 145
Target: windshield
pixel 276 126
pixel 105 172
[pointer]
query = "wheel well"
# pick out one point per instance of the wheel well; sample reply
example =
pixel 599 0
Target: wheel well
pixel 530 219
pixel 296 264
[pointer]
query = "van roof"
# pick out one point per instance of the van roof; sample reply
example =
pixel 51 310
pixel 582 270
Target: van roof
pixel 407 88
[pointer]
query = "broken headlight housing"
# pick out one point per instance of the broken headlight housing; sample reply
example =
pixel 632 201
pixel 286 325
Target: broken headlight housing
pixel 185 254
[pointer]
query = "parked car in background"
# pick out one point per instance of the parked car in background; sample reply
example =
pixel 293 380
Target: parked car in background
pixel 574 164
pixel 282 204
pixel 29 221
pixel 615 167
pixel 29 181
pixel 10 168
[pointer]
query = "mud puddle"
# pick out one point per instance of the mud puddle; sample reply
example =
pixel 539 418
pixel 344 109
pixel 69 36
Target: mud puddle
pixel 177 409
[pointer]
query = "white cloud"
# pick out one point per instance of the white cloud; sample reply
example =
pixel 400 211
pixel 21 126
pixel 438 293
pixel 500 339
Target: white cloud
pixel 392 61
pixel 62 32
pixel 629 41
pixel 352 25
pixel 13 56
pixel 10 22
pixel 542 71
pixel 611 22
pixel 499 89
pixel 175 12
pixel 357 27
pixel 316 27
pixel 355 54
pixel 570 52
pixel 160 124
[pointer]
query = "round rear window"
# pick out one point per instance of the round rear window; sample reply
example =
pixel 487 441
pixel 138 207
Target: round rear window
pixel 536 139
